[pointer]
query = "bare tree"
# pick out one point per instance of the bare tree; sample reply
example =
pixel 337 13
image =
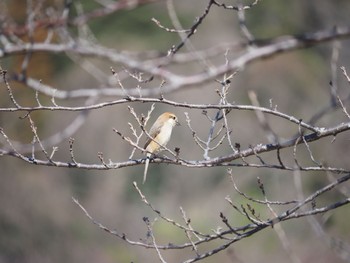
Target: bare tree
pixel 298 141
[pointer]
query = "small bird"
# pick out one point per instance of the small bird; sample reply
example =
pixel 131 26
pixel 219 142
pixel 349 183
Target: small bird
pixel 160 133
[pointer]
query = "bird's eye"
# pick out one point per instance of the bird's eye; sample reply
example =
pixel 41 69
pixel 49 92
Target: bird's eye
pixel 174 117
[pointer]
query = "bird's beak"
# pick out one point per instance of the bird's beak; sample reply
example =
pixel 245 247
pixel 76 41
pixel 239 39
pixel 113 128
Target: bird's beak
pixel 178 123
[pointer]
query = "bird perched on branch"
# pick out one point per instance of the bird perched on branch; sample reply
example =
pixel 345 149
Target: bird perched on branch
pixel 160 134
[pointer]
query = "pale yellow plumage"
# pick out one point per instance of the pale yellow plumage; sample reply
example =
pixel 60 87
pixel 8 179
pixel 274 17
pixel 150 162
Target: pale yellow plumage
pixel 160 133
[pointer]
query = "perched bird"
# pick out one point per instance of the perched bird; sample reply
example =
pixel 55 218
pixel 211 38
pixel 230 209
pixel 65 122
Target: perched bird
pixel 160 133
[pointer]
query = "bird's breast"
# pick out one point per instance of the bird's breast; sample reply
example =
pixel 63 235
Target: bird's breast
pixel 164 135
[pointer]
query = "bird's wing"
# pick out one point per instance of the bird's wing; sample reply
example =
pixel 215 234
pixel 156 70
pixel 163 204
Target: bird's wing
pixel 154 131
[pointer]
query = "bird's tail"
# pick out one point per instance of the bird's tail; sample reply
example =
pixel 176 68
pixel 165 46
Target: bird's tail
pixel 146 167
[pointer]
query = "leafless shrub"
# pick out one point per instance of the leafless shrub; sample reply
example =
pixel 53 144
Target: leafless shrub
pixel 152 77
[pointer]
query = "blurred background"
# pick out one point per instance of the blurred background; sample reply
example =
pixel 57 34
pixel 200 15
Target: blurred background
pixel 40 223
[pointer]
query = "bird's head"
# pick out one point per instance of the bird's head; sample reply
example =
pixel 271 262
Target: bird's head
pixel 168 118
